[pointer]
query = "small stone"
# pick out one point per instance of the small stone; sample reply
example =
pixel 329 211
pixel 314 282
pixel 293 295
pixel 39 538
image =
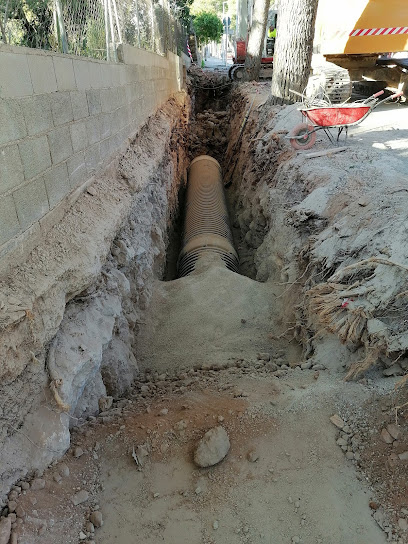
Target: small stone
pixel 403 456
pixel 297 504
pixel 394 430
pixel 144 388
pixel 80 497
pixel 156 495
pixel 96 518
pixel 181 425
pixel 394 370
pixel 20 512
pixel 89 527
pixel 306 366
pixel 13 538
pixel 349 455
pixel 263 357
pixel 64 470
pixel 386 437
pixel 215 525
pixel 337 421
pixel 37 484
pixel 163 412
pixel 82 535
pixel 403 524
pixel 12 505
pixel 25 486
pixel 105 403
pixel 295 539
pixel 373 505
pixel 362 202
pixel 212 448
pixel 341 442
pixel 57 478
pixel 252 456
pixel 198 490
pixel 91 191
pixel 78 452
pixel 5 530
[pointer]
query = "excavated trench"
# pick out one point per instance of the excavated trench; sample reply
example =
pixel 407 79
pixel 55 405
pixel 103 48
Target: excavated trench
pixel 140 362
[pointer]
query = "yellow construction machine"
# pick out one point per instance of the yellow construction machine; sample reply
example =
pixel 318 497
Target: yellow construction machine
pixel 368 39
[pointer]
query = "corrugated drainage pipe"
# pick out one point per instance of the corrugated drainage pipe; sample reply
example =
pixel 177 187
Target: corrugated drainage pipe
pixel 206 228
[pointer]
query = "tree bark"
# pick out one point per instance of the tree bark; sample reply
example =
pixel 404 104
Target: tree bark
pixel 293 49
pixel 256 40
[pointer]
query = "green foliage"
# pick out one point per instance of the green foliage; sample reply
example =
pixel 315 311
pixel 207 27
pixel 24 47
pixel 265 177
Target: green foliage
pixel 182 9
pixel 30 22
pixel 206 6
pixel 208 27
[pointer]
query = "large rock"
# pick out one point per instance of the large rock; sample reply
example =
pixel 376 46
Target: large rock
pixel 5 530
pixel 212 448
pixel 75 357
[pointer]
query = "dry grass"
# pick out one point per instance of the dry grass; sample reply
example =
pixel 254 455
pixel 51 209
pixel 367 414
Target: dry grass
pixel 341 307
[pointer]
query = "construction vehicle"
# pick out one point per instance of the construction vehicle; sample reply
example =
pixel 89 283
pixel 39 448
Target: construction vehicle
pixel 236 71
pixel 355 40
pixel 368 39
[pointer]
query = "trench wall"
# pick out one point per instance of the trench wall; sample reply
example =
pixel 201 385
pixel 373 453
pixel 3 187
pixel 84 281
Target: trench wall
pixel 62 118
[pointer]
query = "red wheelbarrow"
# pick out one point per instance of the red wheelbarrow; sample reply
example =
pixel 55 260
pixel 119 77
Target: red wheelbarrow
pixel 343 116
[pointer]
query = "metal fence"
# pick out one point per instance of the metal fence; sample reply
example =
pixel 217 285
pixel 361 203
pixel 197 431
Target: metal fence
pixel 92 28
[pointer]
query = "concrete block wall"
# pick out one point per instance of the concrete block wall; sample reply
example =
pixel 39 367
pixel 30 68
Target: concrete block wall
pixel 62 118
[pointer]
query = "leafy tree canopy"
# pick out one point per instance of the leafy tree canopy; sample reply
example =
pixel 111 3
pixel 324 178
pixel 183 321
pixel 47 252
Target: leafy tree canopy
pixel 208 27
pixel 206 6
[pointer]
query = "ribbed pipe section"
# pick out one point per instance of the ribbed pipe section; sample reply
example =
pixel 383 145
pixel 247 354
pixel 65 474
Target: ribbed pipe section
pixel 206 228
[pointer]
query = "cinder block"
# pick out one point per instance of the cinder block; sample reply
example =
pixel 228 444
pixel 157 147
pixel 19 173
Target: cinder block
pixel 106 100
pixel 104 150
pixel 79 104
pixel 35 156
pixel 31 202
pixel 121 96
pixel 115 75
pixel 11 168
pixel 42 73
pixel 95 74
pixel 61 108
pixel 64 72
pixel 8 219
pixel 15 75
pixel 93 129
pixel 60 144
pixel 92 158
pixel 12 126
pixel 77 169
pixel 106 76
pixel 57 184
pixel 94 101
pixel 106 125
pixel 37 114
pixel 81 71
pixel 79 136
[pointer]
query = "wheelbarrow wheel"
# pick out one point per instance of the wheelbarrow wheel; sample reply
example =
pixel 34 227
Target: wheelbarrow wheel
pixel 305 138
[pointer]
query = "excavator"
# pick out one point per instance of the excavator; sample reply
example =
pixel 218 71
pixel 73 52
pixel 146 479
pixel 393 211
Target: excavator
pixel 363 41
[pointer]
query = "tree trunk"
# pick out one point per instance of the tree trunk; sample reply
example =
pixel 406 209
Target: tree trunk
pixel 293 49
pixel 256 40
